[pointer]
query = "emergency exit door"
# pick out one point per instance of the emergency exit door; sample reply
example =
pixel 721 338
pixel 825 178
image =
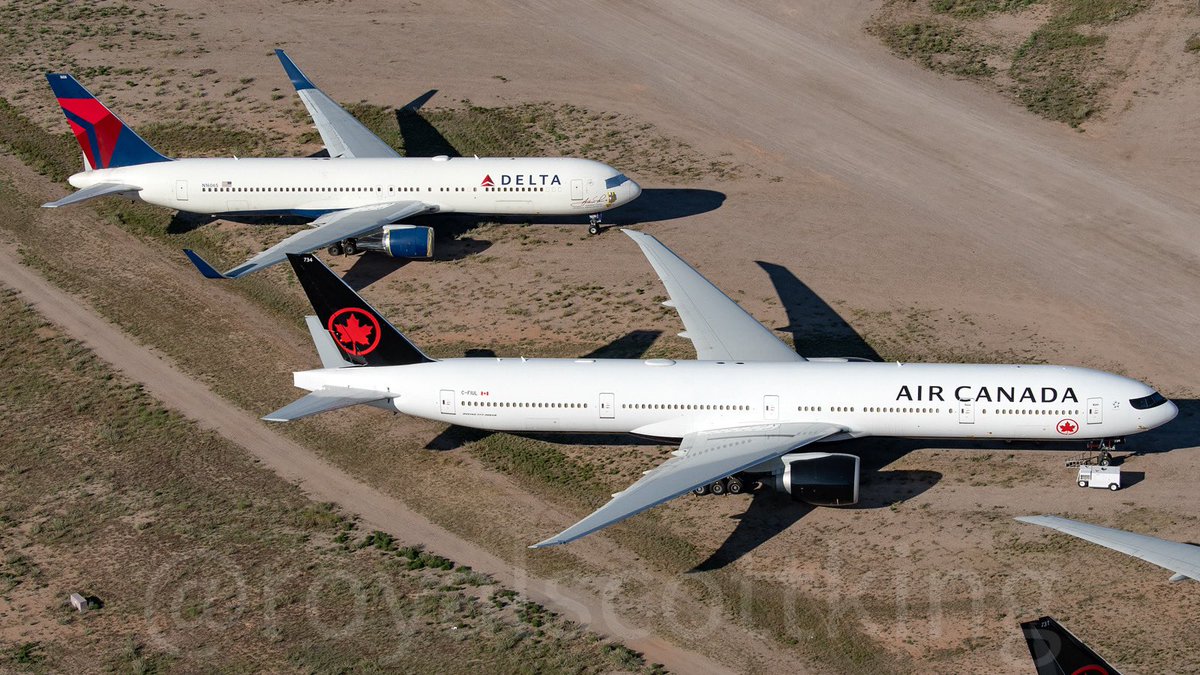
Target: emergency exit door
pixel 770 407
pixel 181 190
pixel 966 412
pixel 1095 410
pixel 447 397
pixel 608 406
pixel 577 189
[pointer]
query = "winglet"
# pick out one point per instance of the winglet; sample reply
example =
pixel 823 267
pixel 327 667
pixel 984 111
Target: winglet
pixel 201 264
pixel 299 79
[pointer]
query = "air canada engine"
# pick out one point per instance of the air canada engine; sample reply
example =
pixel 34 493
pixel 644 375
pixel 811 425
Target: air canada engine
pixel 820 478
pixel 406 241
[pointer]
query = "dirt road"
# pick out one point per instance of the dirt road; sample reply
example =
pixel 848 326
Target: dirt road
pixel 320 480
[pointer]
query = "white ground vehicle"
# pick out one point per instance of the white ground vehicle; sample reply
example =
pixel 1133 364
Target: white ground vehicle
pixel 1091 475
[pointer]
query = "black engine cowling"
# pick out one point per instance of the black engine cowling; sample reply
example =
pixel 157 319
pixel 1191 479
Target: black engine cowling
pixel 820 478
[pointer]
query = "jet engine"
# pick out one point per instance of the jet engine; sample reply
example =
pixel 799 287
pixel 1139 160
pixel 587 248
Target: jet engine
pixel 820 478
pixel 402 241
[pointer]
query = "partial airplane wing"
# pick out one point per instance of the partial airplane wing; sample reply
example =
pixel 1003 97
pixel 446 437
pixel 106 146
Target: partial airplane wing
pixel 92 192
pixel 343 135
pixel 1056 651
pixel 328 229
pixel 323 400
pixel 701 459
pixel 719 329
pixel 1182 559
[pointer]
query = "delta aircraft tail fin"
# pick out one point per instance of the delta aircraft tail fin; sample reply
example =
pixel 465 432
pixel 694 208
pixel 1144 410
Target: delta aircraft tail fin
pixel 106 141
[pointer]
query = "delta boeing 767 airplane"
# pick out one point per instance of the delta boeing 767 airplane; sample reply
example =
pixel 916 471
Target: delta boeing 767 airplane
pixel 363 188
pixel 742 410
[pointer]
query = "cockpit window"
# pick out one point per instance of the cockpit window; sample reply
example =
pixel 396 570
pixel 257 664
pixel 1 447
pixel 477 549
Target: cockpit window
pixel 610 183
pixel 1146 402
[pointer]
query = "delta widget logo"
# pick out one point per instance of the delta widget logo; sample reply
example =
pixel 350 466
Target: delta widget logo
pixel 355 330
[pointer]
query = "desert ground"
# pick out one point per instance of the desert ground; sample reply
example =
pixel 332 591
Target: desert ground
pixel 852 200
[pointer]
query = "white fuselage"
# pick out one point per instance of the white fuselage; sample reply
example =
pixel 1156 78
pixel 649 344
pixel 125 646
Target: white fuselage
pixel 669 399
pixel 311 187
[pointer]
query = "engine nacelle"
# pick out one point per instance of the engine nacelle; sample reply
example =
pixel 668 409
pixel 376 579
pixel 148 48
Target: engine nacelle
pixel 820 478
pixel 407 241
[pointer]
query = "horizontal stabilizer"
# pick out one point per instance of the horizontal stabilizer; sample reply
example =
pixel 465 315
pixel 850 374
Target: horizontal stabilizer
pixel 327 349
pixel 92 192
pixel 324 400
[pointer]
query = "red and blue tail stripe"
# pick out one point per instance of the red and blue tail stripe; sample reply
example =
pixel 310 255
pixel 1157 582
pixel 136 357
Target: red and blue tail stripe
pixel 106 141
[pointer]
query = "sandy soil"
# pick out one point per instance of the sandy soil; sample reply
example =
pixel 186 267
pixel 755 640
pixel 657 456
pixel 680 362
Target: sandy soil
pixel 899 191
pixel 315 476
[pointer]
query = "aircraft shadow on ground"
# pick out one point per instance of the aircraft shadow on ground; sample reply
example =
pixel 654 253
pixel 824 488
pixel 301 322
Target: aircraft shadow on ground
pixel 771 512
pixel 816 328
pixel 371 267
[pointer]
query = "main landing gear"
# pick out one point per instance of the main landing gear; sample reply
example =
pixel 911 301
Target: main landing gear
pixel 345 247
pixel 594 226
pixel 733 485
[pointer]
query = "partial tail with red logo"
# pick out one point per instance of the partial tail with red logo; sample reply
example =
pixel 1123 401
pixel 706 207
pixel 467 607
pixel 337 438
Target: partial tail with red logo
pixel 1056 651
pixel 106 141
pixel 359 333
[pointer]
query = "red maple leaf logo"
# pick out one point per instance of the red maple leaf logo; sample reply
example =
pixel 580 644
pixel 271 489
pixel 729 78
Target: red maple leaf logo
pixel 487 181
pixel 1067 427
pixel 353 334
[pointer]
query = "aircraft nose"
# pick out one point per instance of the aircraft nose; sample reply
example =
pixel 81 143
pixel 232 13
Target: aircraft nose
pixel 1170 412
pixel 633 191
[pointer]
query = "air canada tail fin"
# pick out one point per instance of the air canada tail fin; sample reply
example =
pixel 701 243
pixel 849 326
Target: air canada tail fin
pixel 1056 651
pixel 365 337
pixel 107 142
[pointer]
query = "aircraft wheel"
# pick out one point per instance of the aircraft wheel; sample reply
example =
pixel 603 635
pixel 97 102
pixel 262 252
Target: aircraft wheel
pixel 351 247
pixel 734 486
pixel 1083 483
pixel 593 229
pixel 1114 487
pixel 336 249
pixel 717 487
pixel 1105 459
pixel 700 491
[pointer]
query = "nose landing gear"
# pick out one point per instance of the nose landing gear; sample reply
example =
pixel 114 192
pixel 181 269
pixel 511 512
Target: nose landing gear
pixel 1104 449
pixel 594 226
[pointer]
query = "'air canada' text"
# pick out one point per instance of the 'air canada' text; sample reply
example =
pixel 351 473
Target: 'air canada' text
pixel 966 392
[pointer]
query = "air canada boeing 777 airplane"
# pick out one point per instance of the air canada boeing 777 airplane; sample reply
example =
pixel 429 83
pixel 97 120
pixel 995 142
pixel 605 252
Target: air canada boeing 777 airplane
pixel 362 189
pixel 743 409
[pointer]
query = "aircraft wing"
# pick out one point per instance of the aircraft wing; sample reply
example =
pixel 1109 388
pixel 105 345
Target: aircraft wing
pixel 702 458
pixel 343 135
pixel 1182 559
pixel 719 329
pixel 323 400
pixel 92 192
pixel 328 229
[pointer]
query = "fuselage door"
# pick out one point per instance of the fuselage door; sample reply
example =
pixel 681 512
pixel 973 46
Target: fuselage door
pixel 1095 410
pixel 966 412
pixel 576 189
pixel 608 406
pixel 181 190
pixel 447 397
pixel 770 407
